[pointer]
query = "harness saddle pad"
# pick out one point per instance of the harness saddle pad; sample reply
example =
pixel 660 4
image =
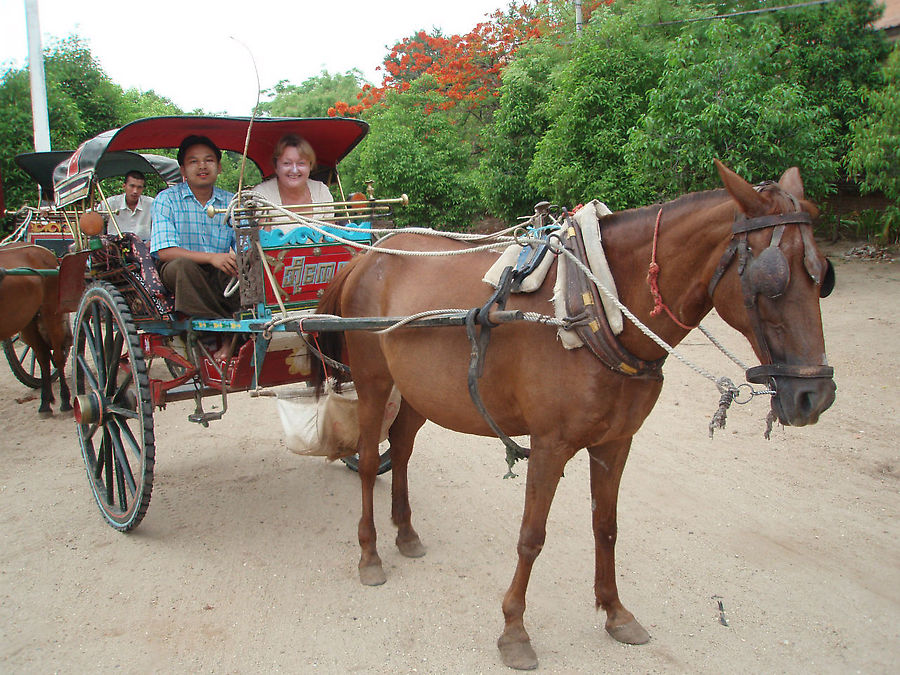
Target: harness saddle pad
pixel 588 217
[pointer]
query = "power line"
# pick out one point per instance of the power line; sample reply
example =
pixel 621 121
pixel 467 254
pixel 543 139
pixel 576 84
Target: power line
pixel 749 11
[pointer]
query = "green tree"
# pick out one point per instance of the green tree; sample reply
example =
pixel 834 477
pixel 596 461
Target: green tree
pixel 833 52
pixel 875 153
pixel 17 131
pixel 137 104
pixel 413 152
pixel 518 125
pixel 313 96
pixel 71 65
pixel 742 110
pixel 598 96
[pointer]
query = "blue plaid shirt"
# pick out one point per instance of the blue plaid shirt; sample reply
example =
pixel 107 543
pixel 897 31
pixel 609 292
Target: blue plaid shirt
pixel 179 219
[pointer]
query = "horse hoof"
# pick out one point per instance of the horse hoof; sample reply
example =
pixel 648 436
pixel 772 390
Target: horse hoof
pixel 65 408
pixel 372 575
pixel 632 633
pixel 517 654
pixel 411 548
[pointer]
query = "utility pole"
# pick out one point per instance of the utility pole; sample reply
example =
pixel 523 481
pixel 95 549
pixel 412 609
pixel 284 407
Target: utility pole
pixel 579 19
pixel 39 113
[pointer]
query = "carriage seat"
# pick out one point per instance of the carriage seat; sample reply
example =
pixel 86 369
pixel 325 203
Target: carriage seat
pixel 135 250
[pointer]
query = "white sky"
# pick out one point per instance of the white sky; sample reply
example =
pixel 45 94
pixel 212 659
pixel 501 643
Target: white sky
pixel 182 49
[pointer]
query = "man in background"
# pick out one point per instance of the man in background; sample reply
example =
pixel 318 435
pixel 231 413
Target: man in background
pixel 131 209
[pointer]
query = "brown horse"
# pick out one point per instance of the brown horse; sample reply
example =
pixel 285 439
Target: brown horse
pixel 29 306
pixel 567 400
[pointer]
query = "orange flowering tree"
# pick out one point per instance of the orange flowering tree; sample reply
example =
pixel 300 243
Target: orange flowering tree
pixel 466 68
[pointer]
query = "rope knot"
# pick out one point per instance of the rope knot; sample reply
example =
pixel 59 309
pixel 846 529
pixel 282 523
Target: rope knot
pixel 653 282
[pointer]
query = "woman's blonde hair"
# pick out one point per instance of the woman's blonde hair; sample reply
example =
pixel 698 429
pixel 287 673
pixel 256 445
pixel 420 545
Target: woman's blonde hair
pixel 294 141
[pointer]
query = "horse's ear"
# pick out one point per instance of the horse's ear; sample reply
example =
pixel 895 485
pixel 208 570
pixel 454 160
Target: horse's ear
pixel 791 182
pixel 751 202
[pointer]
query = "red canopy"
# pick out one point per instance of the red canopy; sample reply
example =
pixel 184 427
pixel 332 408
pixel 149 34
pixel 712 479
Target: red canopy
pixel 331 137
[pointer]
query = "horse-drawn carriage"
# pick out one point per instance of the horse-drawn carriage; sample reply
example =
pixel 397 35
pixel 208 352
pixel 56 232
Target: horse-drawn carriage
pixel 745 250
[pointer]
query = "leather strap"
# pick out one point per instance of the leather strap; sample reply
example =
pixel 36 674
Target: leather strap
pixel 583 303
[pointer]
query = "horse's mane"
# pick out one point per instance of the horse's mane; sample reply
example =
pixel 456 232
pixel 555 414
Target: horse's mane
pixel 691 201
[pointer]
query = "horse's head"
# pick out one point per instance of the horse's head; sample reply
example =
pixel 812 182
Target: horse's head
pixel 768 285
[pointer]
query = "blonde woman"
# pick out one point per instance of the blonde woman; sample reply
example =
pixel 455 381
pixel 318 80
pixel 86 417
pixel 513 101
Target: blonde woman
pixel 294 159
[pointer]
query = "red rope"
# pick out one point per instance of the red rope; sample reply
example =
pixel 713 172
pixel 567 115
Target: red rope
pixel 653 281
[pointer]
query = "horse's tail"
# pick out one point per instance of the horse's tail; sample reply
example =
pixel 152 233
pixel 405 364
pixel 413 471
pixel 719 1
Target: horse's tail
pixel 331 344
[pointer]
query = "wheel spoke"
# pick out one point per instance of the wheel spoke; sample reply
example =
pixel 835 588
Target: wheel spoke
pixel 123 468
pixel 85 369
pixel 92 341
pixel 114 354
pixel 108 465
pixel 122 412
pixel 134 443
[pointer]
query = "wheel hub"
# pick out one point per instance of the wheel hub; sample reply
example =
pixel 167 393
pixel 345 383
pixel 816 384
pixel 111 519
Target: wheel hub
pixel 87 408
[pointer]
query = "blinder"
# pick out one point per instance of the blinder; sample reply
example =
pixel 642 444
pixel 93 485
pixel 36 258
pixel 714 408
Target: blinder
pixel 828 281
pixel 769 273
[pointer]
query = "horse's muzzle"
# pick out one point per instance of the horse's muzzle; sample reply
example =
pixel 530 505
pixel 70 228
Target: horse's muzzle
pixel 799 401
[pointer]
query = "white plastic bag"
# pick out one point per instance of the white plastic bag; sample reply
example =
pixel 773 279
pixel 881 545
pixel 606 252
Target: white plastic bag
pixel 328 426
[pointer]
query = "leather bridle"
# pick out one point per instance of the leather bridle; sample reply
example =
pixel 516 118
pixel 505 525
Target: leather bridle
pixel 769 274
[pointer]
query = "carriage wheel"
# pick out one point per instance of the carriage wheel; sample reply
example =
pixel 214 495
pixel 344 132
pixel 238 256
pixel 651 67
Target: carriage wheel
pixel 113 409
pixel 23 363
pixel 384 462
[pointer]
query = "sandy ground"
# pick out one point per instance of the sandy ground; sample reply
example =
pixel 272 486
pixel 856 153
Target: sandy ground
pixel 247 558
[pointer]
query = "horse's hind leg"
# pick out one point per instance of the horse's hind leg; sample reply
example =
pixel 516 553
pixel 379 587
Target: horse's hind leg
pixel 31 336
pixel 402 436
pixel 372 400
pixel 607 464
pixel 544 471
pixel 62 343
pixel 56 332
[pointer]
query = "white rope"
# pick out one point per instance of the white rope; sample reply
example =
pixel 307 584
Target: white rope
pixel 500 239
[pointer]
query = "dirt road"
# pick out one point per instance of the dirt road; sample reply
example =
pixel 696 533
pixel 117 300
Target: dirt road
pixel 246 561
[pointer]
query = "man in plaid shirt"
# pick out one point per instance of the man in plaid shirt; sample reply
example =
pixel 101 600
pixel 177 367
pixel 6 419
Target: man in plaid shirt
pixel 195 253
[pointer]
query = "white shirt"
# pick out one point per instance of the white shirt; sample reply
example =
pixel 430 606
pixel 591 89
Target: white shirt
pixel 318 191
pixel 137 221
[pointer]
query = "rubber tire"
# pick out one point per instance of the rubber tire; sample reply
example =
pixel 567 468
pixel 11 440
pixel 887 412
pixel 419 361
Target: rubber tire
pixel 110 362
pixel 384 462
pixel 16 353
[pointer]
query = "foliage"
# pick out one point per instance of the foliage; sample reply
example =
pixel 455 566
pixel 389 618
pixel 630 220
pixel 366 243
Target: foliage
pixel 67 129
pixel 314 96
pixel 517 127
pixel 138 104
pixel 82 101
pixel 413 152
pixel 743 111
pixel 598 96
pixel 833 52
pixel 875 153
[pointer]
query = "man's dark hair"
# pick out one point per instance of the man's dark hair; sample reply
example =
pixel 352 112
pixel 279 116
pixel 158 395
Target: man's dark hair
pixel 192 140
pixel 137 175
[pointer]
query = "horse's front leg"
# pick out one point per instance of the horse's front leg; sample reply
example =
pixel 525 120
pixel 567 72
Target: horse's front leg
pixel 544 471
pixel 607 464
pixel 402 436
